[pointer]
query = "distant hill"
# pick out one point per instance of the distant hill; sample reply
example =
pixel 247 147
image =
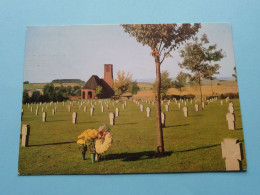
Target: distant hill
pixel 60 81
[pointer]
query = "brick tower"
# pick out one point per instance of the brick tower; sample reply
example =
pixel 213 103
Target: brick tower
pixel 108 74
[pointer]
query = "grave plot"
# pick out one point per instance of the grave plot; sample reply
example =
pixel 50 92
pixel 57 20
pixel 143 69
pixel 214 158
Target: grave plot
pixel 192 143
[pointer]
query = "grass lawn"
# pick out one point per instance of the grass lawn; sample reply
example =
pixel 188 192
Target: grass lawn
pixel 191 144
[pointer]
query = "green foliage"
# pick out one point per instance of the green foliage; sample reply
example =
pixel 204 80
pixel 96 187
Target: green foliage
pixel 99 92
pixel 166 83
pixel 181 81
pixel 197 58
pixel 161 38
pixel 26 82
pixel 133 87
pixel 122 82
pixel 67 81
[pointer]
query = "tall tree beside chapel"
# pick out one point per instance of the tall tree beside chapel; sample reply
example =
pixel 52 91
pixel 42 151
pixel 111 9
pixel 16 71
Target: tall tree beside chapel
pixel 162 40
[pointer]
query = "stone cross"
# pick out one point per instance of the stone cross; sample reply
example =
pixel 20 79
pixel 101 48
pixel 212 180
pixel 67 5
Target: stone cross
pixel 42 109
pixel 85 108
pixel 91 111
pixel 25 135
pixel 117 112
pixel 53 112
pixel 141 107
pixel 112 118
pixel 203 105
pixel 196 107
pixel 69 109
pixel 167 108
pixel 231 109
pixel 163 117
pixel 31 109
pixel 123 106
pixel 185 111
pixel 55 109
pixel 36 111
pixel 74 117
pixel 179 105
pixel 231 152
pixel 230 117
pixel 102 108
pixel 148 111
pixel 221 102
pixel 44 116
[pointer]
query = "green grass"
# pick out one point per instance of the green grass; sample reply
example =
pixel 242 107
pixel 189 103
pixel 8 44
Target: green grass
pixel 191 144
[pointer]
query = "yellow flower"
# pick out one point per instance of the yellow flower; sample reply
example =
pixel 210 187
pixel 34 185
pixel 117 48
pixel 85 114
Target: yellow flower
pixel 81 142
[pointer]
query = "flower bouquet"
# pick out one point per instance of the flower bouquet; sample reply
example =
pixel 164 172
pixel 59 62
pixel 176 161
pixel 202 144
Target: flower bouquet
pixel 97 142
pixel 86 140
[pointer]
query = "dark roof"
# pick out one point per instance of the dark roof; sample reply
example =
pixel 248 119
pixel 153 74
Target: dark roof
pixel 95 81
pixel 92 83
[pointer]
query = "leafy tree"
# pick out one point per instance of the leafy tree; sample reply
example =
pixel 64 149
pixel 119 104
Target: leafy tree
pixel 133 87
pixel 166 83
pixel 122 83
pixel 99 92
pixel 25 96
pixel 235 74
pixel 209 74
pixel 26 82
pixel 162 39
pixel 197 58
pixel 181 81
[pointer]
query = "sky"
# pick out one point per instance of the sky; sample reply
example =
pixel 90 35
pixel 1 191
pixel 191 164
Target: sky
pixel 77 52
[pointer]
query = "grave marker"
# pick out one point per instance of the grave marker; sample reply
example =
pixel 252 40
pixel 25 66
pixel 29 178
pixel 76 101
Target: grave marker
pixel 112 118
pixel 231 152
pixel 148 111
pixel 163 117
pixel 44 116
pixel 185 111
pixel 25 135
pixel 74 117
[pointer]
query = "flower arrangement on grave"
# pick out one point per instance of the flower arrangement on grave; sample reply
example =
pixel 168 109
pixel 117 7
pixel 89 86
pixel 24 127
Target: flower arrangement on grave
pixel 86 140
pixel 104 141
pixel 97 142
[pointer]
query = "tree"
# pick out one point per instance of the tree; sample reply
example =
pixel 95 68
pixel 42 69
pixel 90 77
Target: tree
pixel 209 74
pixel 162 39
pixel 133 87
pixel 166 83
pixel 122 83
pixel 181 81
pixel 25 96
pixel 99 93
pixel 235 74
pixel 197 58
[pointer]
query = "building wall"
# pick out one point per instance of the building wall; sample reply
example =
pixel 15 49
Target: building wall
pixel 86 91
pixel 108 74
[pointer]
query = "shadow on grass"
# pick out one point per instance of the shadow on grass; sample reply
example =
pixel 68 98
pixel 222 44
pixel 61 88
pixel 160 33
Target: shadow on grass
pixel 178 125
pixel 127 124
pixel 193 149
pixel 87 122
pixel 49 144
pixel 196 115
pixel 55 121
pixel 135 156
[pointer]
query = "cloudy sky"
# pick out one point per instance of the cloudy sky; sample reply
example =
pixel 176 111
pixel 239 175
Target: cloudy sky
pixel 77 52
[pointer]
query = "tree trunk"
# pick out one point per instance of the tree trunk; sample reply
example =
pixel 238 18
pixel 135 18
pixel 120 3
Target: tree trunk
pixel 211 87
pixel 200 94
pixel 160 144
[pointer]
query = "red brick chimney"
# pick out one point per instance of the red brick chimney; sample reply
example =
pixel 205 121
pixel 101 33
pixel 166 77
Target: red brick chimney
pixel 108 74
